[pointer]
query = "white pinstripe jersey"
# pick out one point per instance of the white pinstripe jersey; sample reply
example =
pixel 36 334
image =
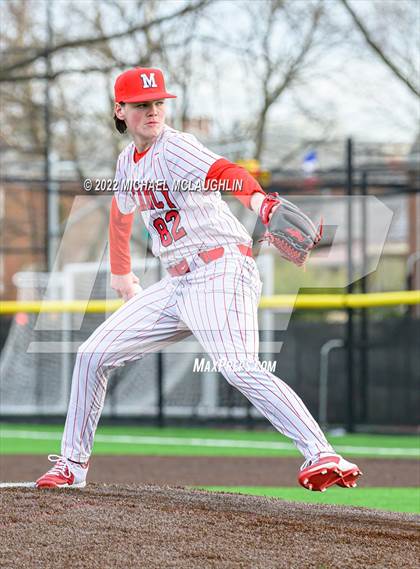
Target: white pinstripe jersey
pixel 181 223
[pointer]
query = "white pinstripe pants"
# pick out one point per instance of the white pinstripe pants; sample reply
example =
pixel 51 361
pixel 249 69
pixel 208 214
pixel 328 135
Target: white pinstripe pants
pixel 216 302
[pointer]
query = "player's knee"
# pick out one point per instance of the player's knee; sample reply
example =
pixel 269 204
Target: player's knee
pixel 81 352
pixel 83 349
pixel 89 354
pixel 234 368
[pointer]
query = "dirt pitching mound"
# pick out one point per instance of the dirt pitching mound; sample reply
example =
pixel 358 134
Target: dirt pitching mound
pixel 151 527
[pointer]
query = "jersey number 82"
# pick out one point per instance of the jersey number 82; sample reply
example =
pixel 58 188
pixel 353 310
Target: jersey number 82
pixel 168 236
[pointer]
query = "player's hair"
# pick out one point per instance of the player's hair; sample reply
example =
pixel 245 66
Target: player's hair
pixel 119 124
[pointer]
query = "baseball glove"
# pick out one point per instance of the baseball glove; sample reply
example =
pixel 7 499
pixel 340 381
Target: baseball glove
pixel 289 229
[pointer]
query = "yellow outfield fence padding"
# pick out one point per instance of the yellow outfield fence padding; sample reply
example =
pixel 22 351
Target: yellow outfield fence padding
pixel 300 301
pixel 337 301
pixel 84 306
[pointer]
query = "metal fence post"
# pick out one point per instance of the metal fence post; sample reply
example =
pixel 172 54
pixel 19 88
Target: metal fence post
pixel 364 331
pixel 350 323
pixel 323 380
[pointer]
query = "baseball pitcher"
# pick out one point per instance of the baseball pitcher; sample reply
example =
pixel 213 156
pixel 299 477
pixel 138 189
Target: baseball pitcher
pixel 211 290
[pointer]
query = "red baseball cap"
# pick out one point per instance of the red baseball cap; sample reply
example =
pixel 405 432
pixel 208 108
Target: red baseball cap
pixel 140 84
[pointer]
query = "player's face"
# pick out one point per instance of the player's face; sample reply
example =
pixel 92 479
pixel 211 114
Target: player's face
pixel 144 120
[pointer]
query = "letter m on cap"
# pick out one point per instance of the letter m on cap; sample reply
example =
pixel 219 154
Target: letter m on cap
pixel 148 80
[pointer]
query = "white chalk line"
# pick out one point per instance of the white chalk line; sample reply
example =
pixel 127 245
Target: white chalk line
pixel 212 443
pixel 17 484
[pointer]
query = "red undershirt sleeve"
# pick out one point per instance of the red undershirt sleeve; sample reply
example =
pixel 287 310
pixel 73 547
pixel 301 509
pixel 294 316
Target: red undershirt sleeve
pixel 120 226
pixel 222 170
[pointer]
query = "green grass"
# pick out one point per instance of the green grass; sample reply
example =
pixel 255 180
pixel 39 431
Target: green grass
pixel 390 499
pixel 196 442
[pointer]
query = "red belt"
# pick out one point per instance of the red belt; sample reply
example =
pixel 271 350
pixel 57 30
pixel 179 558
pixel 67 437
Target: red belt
pixel 183 268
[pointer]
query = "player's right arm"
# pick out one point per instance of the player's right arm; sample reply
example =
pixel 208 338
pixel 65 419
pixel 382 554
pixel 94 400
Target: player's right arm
pixel 121 218
pixel 123 280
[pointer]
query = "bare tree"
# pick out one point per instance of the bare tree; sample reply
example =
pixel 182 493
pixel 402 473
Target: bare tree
pixel 140 39
pixel 7 69
pixel 282 37
pixel 401 64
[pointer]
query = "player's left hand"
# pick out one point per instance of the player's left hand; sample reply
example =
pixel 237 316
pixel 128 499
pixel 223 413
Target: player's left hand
pixel 289 229
pixel 270 215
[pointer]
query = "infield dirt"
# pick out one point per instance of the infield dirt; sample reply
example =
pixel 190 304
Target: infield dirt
pixel 151 527
pixel 208 471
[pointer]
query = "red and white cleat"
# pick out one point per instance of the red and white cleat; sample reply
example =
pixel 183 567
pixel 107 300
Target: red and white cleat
pixel 327 470
pixel 64 474
pixel 350 476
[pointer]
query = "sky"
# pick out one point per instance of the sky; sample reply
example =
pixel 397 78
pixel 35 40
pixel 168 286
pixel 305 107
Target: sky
pixel 351 91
